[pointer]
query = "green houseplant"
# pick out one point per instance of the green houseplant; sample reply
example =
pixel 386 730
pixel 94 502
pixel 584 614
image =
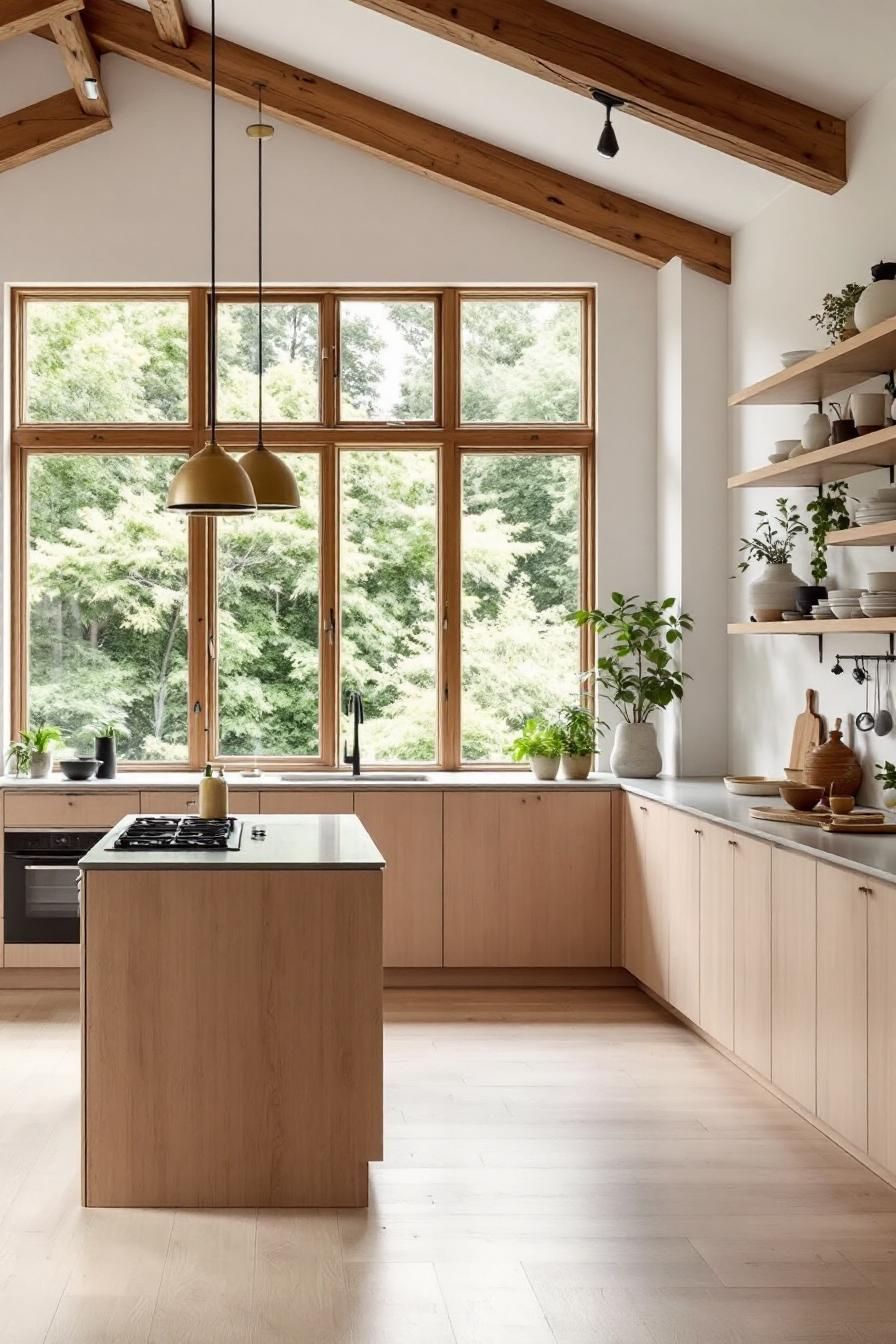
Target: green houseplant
pixel 837 316
pixel 34 750
pixel 541 744
pixel 828 512
pixel 772 545
pixel 637 672
pixel 579 730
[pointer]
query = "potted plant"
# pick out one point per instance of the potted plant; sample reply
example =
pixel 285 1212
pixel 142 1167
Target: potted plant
pixel 105 750
pixel 579 731
pixel 843 426
pixel 34 750
pixel 773 546
pixel 541 744
pixel 828 512
pixel 885 774
pixel 638 674
pixel 837 316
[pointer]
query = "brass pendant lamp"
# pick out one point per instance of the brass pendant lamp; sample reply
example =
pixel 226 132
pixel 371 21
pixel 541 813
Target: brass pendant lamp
pixel 211 482
pixel 272 480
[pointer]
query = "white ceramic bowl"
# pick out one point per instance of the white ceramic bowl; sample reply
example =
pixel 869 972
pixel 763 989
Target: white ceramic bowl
pixel 848 613
pixel 786 446
pixel 753 786
pixel 843 594
pixel 778 457
pixel 872 608
pixel 882 581
pixel 790 357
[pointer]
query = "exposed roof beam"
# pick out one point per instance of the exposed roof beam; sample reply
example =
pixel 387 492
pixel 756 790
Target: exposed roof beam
pixel 663 87
pixel 23 16
pixel 45 127
pixel 170 21
pixel 483 170
pixel 81 63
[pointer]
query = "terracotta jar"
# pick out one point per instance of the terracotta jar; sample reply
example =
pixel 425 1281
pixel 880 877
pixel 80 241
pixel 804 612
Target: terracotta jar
pixel 833 766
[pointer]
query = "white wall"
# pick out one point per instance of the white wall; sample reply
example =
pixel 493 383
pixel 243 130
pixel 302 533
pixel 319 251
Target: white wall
pixel 785 260
pixel 131 207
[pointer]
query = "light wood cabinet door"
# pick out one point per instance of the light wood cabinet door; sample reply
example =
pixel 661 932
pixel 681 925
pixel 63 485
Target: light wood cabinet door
pixel 752 877
pixel 79 811
pixel 185 802
pixel 407 830
pixel 793 976
pixel 684 839
pixel 882 1024
pixel 717 934
pixel 304 801
pixel 842 1013
pixel 646 904
pixel 527 878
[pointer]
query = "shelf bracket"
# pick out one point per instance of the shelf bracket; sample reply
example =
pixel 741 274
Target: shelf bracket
pixel 821 648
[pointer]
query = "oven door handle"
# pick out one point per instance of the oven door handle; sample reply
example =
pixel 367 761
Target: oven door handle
pixel 50 867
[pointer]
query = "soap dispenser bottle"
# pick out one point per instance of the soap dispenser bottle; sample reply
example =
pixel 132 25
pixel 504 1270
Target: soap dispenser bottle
pixel 213 795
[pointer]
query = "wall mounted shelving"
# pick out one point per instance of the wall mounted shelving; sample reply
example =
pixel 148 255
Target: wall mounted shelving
pixel 861 625
pixel 837 462
pixel 842 366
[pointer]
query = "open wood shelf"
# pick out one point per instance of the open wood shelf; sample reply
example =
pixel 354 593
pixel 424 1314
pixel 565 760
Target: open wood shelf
pixel 874 534
pixel 841 366
pixel 861 625
pixel 868 452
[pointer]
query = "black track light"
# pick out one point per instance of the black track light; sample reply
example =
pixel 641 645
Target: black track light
pixel 607 145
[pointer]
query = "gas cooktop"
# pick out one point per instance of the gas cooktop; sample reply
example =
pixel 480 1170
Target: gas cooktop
pixel 181 833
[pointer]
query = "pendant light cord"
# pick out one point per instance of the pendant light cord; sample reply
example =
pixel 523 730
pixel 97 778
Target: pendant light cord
pixel 213 321
pixel 260 275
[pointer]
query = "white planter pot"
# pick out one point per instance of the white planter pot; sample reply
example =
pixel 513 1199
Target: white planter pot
pixel 877 303
pixel 577 767
pixel 890 798
pixel 774 592
pixel 41 764
pixel 635 754
pixel 544 767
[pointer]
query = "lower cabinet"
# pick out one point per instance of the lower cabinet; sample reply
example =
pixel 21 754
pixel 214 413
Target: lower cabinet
pixel 793 966
pixel 527 878
pixel 752 879
pixel 407 829
pixel 717 934
pixel 882 1023
pixel 842 1018
pixel 645 892
pixel 684 839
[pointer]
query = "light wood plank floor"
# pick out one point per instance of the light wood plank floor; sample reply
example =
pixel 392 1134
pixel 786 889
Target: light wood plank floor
pixel 561 1168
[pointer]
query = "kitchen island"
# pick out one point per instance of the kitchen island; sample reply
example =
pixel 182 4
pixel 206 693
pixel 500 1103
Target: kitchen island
pixel 232 1018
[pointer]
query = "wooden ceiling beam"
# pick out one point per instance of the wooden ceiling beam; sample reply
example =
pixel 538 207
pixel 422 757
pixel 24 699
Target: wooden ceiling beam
pixel 171 23
pixel 23 16
pixel 659 86
pixel 81 62
pixel 557 199
pixel 45 127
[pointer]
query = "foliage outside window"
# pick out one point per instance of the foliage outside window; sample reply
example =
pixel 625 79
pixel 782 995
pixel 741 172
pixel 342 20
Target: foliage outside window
pixel 117 595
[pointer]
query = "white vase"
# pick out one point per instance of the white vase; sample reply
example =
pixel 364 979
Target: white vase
pixel 816 432
pixel 635 754
pixel 544 767
pixel 773 592
pixel 577 767
pixel 41 764
pixel 878 300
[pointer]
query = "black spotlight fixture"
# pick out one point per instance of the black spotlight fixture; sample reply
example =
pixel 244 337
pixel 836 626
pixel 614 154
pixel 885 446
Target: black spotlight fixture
pixel 607 145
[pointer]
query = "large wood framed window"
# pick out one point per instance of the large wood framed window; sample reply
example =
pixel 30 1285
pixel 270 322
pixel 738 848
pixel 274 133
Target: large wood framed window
pixel 443 441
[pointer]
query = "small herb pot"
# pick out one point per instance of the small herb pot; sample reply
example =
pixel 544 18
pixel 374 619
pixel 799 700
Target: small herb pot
pixel 577 767
pixel 41 764
pixel 544 767
pixel 106 755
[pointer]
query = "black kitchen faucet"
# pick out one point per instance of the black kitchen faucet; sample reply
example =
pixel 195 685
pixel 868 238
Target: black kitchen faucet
pixel 354 705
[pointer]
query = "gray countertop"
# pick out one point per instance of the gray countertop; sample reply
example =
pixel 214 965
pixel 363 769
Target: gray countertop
pixel 337 841
pixel 128 781
pixel 710 800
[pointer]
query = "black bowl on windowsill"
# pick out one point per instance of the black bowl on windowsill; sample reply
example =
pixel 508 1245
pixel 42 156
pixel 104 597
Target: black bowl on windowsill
pixel 79 767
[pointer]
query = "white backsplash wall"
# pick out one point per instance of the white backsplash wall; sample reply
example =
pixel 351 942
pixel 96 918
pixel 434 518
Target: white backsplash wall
pixel 785 260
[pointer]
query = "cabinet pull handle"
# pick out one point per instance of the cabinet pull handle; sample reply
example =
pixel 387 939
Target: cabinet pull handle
pixel 866 891
pixel 733 844
pixel 644 810
pixel 697 831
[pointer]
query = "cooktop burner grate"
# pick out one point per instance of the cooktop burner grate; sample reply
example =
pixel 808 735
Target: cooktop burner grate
pixel 181 833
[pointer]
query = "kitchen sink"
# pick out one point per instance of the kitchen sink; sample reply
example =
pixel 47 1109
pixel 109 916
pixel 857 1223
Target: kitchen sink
pixel 367 777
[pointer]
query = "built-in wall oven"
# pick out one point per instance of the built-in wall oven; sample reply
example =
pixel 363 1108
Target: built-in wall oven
pixel 41 887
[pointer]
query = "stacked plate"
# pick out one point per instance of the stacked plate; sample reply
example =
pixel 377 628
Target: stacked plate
pixel 846 603
pixel 821 611
pixel 879 604
pixel 879 508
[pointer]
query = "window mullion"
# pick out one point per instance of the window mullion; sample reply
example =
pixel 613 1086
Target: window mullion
pixel 330 626
pixel 449 605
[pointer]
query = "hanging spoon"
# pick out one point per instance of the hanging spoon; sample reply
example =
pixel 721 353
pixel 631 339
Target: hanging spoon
pixel 865 720
pixel 883 719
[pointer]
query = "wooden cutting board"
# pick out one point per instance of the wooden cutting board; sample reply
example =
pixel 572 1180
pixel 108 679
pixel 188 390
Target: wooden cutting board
pixel 807 734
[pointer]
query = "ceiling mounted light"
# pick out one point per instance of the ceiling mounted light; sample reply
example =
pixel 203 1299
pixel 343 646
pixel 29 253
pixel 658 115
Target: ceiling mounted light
pixel 607 145
pixel 211 482
pixel 272 479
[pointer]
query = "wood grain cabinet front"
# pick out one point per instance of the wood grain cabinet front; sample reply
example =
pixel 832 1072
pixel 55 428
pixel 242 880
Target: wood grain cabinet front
pixel 717 934
pixel 527 878
pixel 793 967
pixel 685 837
pixel 842 1013
pixel 645 892
pixel 407 830
pixel 752 879
pixel 77 811
pixel 882 1023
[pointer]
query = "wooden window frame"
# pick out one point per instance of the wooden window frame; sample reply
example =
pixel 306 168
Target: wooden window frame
pixel 446 434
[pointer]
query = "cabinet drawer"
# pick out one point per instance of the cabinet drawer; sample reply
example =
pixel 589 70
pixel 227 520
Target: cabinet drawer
pixel 41 956
pixel 82 810
pixel 307 800
pixel 183 802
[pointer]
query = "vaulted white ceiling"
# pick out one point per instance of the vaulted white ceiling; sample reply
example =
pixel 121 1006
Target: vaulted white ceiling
pixel 822 52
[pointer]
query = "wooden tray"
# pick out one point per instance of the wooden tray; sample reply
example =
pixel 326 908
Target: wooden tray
pixel 816 818
pixel 823 819
pixel 870 828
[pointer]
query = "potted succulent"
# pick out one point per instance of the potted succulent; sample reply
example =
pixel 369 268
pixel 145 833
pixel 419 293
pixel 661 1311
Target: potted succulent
pixel 541 744
pixel 773 545
pixel 837 316
pixel 579 731
pixel 105 750
pixel 638 674
pixel 828 512
pixel 34 750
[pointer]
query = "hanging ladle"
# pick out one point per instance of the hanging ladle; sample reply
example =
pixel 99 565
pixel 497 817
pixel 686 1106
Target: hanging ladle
pixel 865 720
pixel 883 719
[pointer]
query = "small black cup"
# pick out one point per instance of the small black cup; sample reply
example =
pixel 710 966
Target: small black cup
pixel 105 754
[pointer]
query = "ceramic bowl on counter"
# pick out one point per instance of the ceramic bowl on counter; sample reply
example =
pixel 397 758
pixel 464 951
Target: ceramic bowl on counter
pixel 882 581
pixel 79 767
pixel 801 797
pixel 753 786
